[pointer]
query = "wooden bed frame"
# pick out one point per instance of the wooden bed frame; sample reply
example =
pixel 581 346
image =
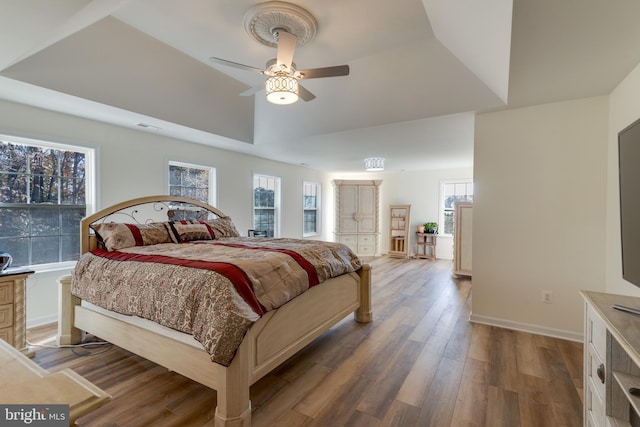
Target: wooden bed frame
pixel 270 341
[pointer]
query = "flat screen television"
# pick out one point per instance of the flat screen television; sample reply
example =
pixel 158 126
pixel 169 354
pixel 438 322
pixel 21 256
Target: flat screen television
pixel 629 171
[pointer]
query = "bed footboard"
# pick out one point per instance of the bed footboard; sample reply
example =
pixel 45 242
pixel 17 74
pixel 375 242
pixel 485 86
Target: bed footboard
pixel 233 407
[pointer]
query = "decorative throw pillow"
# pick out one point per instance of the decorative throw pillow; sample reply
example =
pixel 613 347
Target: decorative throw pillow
pixel 116 236
pixel 187 231
pixel 223 227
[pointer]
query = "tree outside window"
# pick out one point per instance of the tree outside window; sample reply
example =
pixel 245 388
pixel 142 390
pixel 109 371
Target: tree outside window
pixel 311 192
pixel 192 181
pixel 43 197
pixel 266 204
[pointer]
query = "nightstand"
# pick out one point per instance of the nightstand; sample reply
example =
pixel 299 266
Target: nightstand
pixel 13 282
pixel 426 245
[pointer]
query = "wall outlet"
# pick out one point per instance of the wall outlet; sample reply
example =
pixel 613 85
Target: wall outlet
pixel 547 297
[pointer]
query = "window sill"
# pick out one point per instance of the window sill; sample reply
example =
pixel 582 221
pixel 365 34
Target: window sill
pixel 53 267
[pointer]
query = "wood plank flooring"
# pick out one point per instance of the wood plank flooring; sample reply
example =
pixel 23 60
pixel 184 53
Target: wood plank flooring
pixel 420 363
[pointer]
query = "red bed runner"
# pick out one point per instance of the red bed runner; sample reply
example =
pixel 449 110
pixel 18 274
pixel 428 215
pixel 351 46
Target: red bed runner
pixel 235 274
pixel 306 265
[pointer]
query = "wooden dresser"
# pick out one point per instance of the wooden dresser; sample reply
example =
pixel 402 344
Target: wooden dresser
pixel 13 284
pixel 611 361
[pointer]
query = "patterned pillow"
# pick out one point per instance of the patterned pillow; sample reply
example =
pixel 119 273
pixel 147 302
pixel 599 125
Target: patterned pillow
pixel 223 227
pixel 187 231
pixel 116 236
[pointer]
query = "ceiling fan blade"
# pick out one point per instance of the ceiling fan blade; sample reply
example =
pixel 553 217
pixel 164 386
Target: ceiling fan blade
pixel 234 64
pixel 305 94
pixel 252 90
pixel 314 73
pixel 286 47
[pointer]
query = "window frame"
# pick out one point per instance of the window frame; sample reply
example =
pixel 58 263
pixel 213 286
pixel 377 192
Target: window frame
pixel 277 182
pixel 211 181
pixel 90 180
pixel 317 209
pixel 441 205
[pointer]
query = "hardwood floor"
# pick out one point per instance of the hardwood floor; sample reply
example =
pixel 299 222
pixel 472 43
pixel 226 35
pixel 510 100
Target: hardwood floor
pixel 420 363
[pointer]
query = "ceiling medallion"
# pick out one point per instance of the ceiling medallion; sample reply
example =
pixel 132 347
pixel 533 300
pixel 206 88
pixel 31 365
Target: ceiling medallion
pixel 263 20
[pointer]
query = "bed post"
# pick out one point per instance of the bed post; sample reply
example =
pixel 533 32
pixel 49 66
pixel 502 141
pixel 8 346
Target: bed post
pixel 363 313
pixel 233 405
pixel 67 334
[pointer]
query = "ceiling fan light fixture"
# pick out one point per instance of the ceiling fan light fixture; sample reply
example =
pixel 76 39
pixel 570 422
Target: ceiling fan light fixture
pixel 374 164
pixel 281 89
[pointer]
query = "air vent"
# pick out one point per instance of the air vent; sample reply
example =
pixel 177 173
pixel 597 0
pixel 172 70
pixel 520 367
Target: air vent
pixel 148 126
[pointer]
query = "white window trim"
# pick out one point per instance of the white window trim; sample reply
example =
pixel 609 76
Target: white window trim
pixel 212 178
pixel 441 228
pixel 318 209
pixel 276 201
pixel 89 190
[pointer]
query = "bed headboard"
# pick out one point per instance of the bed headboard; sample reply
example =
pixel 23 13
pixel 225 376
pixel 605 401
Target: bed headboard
pixel 144 210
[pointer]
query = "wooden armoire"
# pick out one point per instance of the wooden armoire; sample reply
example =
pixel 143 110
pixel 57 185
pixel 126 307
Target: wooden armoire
pixel 462 238
pixel 357 215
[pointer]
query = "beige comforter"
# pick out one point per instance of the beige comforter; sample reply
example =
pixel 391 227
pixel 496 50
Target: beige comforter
pixel 213 290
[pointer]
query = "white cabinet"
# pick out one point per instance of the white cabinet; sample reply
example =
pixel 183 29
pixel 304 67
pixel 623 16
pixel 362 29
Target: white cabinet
pixel 357 214
pixel 611 360
pixel 594 368
pixel 462 238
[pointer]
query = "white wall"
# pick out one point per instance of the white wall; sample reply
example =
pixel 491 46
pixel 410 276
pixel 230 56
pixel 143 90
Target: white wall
pixel 540 178
pixel 624 109
pixel 421 190
pixel 42 297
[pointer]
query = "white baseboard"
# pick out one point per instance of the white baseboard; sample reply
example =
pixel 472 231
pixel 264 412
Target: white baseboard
pixel 527 327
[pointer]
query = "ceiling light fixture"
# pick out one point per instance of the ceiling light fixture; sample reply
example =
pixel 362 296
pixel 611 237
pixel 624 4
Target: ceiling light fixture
pixel 374 164
pixel 281 89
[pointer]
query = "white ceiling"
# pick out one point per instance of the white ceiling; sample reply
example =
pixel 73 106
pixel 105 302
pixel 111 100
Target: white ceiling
pixel 419 70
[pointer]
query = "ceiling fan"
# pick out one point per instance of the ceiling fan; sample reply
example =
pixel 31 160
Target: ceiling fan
pixel 284 26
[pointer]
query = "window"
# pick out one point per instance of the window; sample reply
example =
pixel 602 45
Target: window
pixel 45 189
pixel 266 204
pixel 452 192
pixel 311 192
pixel 193 181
